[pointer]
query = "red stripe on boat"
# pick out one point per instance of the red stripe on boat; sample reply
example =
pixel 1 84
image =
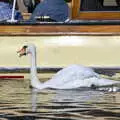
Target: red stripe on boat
pixel 10 77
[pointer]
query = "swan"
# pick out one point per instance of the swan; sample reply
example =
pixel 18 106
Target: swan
pixel 73 76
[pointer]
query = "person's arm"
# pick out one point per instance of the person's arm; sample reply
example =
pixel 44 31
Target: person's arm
pixel 21 7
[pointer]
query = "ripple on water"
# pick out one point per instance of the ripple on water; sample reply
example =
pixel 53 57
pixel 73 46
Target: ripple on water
pixel 19 102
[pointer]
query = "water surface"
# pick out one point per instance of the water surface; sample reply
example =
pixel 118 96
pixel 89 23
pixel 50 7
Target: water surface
pixel 19 102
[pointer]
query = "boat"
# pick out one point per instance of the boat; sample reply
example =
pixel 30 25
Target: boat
pixel 90 38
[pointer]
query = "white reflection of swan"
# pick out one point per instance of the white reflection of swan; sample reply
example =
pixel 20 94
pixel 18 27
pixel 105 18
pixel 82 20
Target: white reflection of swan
pixel 71 77
pixel 34 99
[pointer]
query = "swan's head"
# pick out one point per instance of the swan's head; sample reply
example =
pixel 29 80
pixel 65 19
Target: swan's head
pixel 26 49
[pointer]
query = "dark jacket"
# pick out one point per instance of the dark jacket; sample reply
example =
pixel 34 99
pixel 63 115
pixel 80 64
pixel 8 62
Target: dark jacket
pixel 57 10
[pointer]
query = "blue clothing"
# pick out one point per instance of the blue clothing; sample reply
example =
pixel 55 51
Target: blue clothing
pixel 57 10
pixel 6 12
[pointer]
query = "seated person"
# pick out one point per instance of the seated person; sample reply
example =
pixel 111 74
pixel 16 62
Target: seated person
pixel 31 4
pixel 57 10
pixel 6 11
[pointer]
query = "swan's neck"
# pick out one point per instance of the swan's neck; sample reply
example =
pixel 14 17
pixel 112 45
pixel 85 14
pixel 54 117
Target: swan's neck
pixel 33 71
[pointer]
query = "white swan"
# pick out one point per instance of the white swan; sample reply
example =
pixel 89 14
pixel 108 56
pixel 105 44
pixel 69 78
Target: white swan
pixel 73 76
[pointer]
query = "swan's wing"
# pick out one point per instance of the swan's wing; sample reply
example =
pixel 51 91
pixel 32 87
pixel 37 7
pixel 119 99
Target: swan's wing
pixel 73 75
pixel 76 76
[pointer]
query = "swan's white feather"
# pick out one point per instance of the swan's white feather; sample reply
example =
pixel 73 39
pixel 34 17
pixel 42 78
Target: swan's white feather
pixel 73 76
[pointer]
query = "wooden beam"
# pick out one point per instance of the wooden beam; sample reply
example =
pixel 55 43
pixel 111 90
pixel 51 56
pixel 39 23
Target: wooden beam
pixel 99 15
pixel 75 8
pixel 58 29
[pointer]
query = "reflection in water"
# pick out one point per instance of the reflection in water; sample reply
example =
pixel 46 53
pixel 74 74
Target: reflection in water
pixel 19 102
pixel 34 99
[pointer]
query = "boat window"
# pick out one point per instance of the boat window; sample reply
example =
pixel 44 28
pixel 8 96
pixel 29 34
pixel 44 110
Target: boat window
pixel 100 5
pixel 96 9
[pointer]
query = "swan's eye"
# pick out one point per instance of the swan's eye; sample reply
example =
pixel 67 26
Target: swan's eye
pixel 25 46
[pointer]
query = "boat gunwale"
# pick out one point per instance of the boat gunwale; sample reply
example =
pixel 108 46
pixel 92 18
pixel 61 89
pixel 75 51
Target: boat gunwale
pixel 72 22
pixel 61 30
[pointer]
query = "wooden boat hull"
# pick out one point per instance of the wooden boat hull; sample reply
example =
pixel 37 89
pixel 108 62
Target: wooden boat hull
pixel 63 50
pixel 90 43
pixel 60 29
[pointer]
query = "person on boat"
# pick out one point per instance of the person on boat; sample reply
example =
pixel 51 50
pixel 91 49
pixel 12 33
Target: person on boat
pixel 31 4
pixel 6 11
pixel 57 10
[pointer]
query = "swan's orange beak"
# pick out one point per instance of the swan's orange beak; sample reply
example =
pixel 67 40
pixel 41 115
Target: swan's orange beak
pixel 22 52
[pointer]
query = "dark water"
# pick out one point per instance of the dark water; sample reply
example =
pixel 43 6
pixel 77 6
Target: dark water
pixel 19 102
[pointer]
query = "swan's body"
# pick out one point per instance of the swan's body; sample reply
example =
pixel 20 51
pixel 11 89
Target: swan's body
pixel 71 77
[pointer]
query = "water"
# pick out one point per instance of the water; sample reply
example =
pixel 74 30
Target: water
pixel 19 102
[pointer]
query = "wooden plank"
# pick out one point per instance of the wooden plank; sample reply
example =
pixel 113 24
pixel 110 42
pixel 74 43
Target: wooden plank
pixel 75 8
pixel 99 15
pixel 59 29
